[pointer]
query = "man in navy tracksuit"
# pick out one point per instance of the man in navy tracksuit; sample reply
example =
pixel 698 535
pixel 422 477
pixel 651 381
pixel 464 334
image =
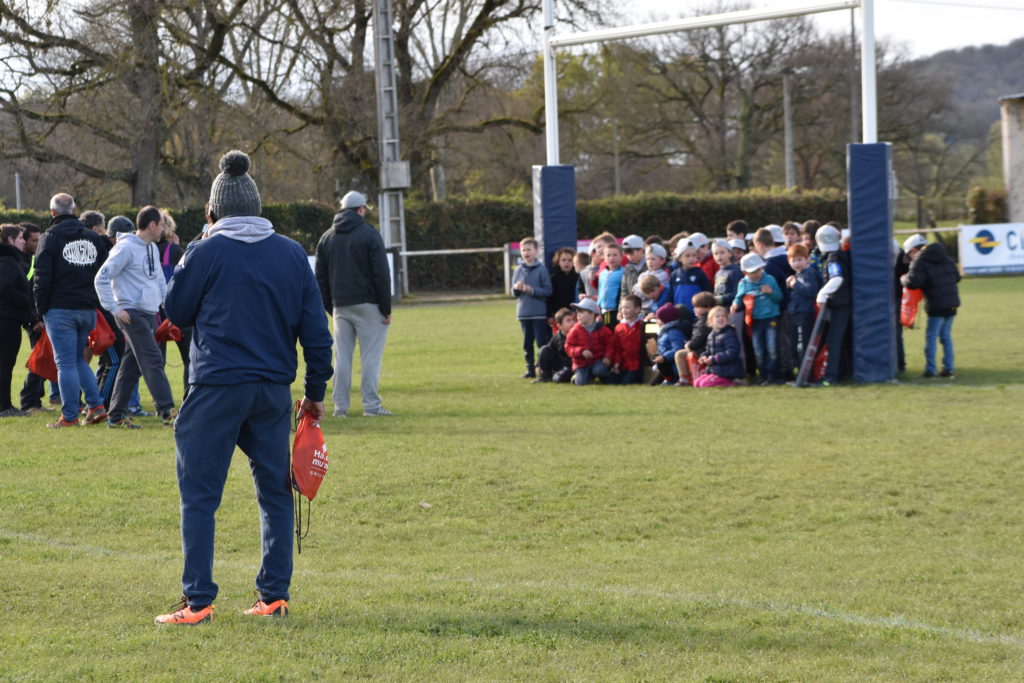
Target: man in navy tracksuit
pixel 249 294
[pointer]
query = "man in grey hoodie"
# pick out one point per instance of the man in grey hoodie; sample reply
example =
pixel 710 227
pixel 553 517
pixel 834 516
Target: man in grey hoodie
pixel 131 285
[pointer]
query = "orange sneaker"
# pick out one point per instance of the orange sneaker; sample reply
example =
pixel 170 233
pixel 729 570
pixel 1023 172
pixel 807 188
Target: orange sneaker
pixel 186 616
pixel 63 423
pixel 278 608
pixel 96 415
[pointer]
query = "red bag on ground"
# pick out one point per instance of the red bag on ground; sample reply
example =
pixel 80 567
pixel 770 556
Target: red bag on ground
pixel 41 360
pixel 167 331
pixel 820 364
pixel 909 306
pixel 102 337
pixel 309 457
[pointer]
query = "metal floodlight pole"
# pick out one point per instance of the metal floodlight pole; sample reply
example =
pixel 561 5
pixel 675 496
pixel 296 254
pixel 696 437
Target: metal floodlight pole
pixel 868 96
pixel 550 86
pixel 17 191
pixel 708 21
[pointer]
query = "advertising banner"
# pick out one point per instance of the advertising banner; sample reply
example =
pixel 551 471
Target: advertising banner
pixel 991 249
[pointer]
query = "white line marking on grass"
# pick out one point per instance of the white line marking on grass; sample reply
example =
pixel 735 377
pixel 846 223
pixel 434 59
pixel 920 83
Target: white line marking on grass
pixel 770 606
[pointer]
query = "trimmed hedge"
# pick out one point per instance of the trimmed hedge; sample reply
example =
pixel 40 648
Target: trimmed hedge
pixel 493 222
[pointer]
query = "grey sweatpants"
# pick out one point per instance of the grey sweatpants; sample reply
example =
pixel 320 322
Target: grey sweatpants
pixel 362 322
pixel 141 358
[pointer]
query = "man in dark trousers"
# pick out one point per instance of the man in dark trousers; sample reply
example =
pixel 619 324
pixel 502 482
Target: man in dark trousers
pixel 67 258
pixel 355 283
pixel 250 296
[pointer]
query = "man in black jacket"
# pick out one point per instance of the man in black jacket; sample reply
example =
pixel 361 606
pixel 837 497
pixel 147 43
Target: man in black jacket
pixel 935 274
pixel 67 258
pixel 355 283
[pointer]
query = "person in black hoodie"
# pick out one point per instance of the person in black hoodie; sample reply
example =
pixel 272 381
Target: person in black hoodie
pixel 936 275
pixel 15 311
pixel 355 284
pixel 67 258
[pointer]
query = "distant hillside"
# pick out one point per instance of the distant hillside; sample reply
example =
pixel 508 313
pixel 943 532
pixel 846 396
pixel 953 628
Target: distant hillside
pixel 980 76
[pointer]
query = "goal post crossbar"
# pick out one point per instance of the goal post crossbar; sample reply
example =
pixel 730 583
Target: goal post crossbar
pixel 869 116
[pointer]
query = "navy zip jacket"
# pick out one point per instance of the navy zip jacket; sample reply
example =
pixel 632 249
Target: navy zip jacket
pixel 67 258
pixel 724 350
pixel 352 264
pixel 249 299
pixel 804 291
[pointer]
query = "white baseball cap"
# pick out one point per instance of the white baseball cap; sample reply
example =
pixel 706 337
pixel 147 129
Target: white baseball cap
pixel 737 243
pixel 697 240
pixel 587 305
pixel 914 242
pixel 777 235
pixel 657 250
pixel 633 242
pixel 751 262
pixel 827 238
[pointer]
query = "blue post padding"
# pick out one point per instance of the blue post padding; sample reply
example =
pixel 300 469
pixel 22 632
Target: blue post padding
pixel 873 287
pixel 554 208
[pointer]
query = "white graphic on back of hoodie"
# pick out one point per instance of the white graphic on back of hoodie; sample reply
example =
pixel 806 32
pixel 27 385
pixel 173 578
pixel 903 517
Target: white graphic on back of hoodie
pixel 80 253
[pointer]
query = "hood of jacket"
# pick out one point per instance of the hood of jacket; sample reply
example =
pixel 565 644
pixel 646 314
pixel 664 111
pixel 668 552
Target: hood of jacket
pixel 934 253
pixel 248 229
pixel 347 221
pixel 11 251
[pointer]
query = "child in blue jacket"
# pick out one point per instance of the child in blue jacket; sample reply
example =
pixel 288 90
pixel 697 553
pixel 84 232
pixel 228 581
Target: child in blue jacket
pixel 765 313
pixel 675 325
pixel 803 286
pixel 689 278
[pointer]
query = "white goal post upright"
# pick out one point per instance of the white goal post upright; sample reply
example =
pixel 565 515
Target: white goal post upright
pixel 869 107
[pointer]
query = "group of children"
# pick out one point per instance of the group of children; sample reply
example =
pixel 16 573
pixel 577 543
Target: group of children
pixel 720 311
pixel 610 313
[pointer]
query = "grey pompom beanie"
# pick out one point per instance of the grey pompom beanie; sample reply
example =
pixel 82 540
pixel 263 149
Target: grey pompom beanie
pixel 233 192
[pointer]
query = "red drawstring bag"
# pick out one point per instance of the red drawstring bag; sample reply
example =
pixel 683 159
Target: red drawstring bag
pixel 748 313
pixel 167 331
pixel 309 467
pixel 102 337
pixel 41 360
pixel 909 306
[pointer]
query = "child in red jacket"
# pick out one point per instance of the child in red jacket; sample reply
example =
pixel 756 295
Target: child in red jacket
pixel 592 346
pixel 629 333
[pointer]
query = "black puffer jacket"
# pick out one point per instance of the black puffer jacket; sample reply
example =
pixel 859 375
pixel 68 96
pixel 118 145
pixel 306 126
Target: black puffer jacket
pixel 352 265
pixel 935 274
pixel 15 293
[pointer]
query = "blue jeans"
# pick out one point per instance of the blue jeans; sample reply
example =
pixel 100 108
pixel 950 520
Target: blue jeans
pixel 595 369
pixel 939 328
pixel 765 336
pixel 69 333
pixel 256 417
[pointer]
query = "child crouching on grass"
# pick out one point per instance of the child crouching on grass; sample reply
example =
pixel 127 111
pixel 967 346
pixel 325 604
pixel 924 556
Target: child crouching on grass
pixel 554 364
pixel 721 354
pixel 592 346
pixel 673 333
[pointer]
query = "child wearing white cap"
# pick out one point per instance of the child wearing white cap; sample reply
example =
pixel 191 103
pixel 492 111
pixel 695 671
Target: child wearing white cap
pixel 764 316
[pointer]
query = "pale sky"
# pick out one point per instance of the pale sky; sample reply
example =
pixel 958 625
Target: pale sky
pixel 924 26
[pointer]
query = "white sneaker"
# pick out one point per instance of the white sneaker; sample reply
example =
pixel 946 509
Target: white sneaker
pixel 340 413
pixel 379 411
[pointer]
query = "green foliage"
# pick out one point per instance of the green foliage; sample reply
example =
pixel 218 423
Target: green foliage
pixel 40 218
pixel 495 221
pixel 986 206
pixel 747 534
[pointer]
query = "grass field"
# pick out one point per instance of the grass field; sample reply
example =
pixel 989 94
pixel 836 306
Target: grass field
pixel 598 533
